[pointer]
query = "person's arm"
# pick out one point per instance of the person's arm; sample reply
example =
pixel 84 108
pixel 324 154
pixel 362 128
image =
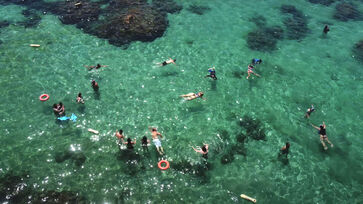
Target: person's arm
pixel 315 126
pixel 324 125
pixel 160 134
pixel 197 150
pixel 134 142
pixel 283 148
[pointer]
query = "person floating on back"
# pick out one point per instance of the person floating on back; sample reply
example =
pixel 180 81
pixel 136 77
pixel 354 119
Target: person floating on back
pixel 203 150
pixel 166 62
pixel 323 137
pixel 95 67
pixel 256 61
pixel 285 149
pixel 309 111
pixel 212 73
pixel 326 29
pixel 250 71
pixel 156 141
pixel 95 85
pixel 191 96
pixel 80 98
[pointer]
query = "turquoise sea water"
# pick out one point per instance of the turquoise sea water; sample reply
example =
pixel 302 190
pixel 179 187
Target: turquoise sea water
pixel 136 93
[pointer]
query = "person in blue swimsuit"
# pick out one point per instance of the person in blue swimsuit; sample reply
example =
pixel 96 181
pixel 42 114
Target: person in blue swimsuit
pixel 212 73
pixel 191 96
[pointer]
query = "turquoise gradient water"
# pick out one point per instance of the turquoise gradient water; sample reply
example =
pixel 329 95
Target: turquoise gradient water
pixel 136 93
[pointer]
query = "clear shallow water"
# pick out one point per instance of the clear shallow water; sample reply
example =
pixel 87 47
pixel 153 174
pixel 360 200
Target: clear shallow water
pixel 135 93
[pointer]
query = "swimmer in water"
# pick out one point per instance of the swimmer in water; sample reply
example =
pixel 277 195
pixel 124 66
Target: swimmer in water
pixel 309 111
pixel 155 135
pixel 61 109
pixel 130 144
pixel 145 143
pixel 120 136
pixel 169 61
pixel 55 109
pixel 191 96
pixel 80 98
pixel 326 29
pixel 203 150
pixel 323 137
pixel 285 149
pixel 95 67
pixel 250 71
pixel 95 85
pixel 256 61
pixel 212 73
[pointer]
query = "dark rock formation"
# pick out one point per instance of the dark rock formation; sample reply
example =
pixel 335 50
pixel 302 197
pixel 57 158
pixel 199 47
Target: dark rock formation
pixel 322 2
pixel 253 127
pixel 77 157
pixel 296 24
pixel 264 39
pixel 347 11
pixel 32 18
pixel 358 50
pixel 199 10
pixel 70 13
pixel 259 20
pixel 14 189
pixel 4 24
pixel 227 158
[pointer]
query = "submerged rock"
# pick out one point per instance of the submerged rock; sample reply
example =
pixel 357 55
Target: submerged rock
pixel 227 158
pixel 4 24
pixel 199 10
pixel 168 6
pixel 346 11
pixel 264 39
pixel 358 50
pixel 32 18
pixel 259 20
pixel 253 127
pixel 296 24
pixel 77 157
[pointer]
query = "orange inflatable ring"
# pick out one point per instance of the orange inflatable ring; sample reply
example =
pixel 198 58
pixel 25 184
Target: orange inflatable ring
pixel 43 97
pixel 163 162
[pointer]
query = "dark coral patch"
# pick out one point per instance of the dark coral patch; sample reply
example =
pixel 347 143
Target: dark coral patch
pixel 168 6
pixel 296 24
pixel 259 20
pixel 32 18
pixel 347 11
pixel 4 24
pixel 264 39
pixel 358 50
pixel 199 10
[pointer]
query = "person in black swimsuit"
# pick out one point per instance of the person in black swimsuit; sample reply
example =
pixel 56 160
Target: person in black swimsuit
pixel 130 144
pixel 145 143
pixel 203 150
pixel 323 137
pixel 166 62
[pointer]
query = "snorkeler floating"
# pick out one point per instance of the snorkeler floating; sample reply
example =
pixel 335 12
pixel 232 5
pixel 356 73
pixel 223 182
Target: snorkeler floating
pixel 212 73
pixel 191 96
pixel 323 136
pixel 95 67
pixel 166 62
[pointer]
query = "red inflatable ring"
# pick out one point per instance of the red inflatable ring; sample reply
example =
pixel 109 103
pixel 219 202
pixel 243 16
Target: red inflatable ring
pixel 43 97
pixel 163 162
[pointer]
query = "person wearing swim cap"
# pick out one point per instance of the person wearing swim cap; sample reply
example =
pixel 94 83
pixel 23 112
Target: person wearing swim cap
pixel 326 29
pixel 285 149
pixel 166 62
pixel 323 136
pixel 191 96
pixel 155 135
pixel 309 111
pixel 212 73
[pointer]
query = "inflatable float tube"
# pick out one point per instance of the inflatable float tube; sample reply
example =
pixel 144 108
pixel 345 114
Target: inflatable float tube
pixel 92 130
pixel 43 97
pixel 163 162
pixel 34 45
